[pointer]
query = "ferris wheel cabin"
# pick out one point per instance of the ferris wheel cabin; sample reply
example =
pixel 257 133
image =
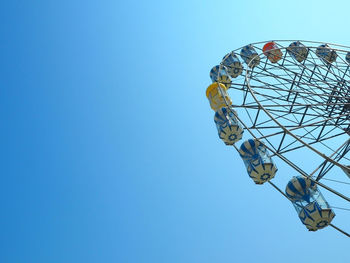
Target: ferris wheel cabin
pixel 259 164
pixel 312 208
pixel 229 129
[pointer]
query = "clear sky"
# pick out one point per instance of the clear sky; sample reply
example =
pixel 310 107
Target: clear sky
pixel 109 150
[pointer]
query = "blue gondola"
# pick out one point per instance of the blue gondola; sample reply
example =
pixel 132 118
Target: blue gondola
pixel 250 56
pixel 229 129
pixel 298 51
pixel 312 208
pixel 220 76
pixel 326 54
pixel 259 164
pixel 233 66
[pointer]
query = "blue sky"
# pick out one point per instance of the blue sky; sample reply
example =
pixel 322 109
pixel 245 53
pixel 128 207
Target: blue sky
pixel 109 149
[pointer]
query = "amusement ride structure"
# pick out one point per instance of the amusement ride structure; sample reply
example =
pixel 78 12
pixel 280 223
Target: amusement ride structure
pixel 291 100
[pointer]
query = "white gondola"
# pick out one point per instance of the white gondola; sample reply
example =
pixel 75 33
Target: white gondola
pixel 326 54
pixel 298 51
pixel 220 75
pixel 233 66
pixel 250 56
pixel 259 164
pixel 229 129
pixel 312 208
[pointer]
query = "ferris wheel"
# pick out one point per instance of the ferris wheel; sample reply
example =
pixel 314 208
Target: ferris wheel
pixel 288 102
